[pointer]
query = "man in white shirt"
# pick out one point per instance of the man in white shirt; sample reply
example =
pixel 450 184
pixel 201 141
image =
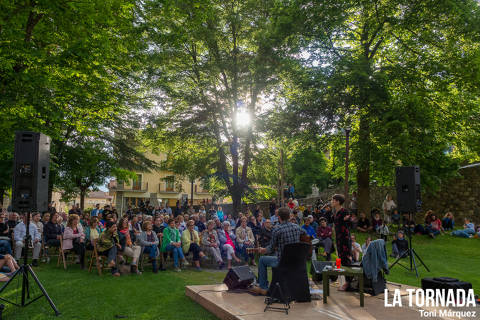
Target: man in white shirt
pixel 19 234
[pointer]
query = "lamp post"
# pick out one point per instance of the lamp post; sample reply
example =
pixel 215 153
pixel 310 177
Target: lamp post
pixel 347 151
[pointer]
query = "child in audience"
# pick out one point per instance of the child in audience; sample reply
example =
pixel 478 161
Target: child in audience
pixel 383 231
pixel 356 248
pixel 377 222
pixel 399 245
pixel 396 217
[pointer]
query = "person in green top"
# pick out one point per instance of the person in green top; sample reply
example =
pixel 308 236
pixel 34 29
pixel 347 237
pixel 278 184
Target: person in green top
pixel 171 242
pixel 107 245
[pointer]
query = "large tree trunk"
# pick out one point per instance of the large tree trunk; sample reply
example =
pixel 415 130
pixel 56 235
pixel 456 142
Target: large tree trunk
pixel 282 178
pixel 82 199
pixel 236 200
pixel 191 191
pixel 363 166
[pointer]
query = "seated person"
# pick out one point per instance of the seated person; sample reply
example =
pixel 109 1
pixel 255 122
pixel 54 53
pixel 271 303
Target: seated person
pixel 211 244
pixel 182 225
pixel 324 233
pixel 8 261
pixel 74 238
pixel 468 230
pixel 422 229
pixel 356 248
pixel 191 243
pixel 285 233
pixel 408 225
pixel 260 219
pixel 19 234
pixel 366 244
pixel 254 225
pixel 108 244
pixel 200 224
pixel 245 239
pixel 399 245
pixel 265 234
pixel 53 231
pixel 383 231
pixel 232 221
pixel 92 232
pixel 308 227
pixel 326 212
pixel 227 243
pixel 172 242
pixel 353 221
pixel 448 221
pixel 377 222
pixel 396 217
pixel 363 224
pixel 5 245
pixel 435 226
pixel 127 242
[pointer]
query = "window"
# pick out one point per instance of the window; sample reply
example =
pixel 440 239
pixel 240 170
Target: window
pixel 170 183
pixel 137 184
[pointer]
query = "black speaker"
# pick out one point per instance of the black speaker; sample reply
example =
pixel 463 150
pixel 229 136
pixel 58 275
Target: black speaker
pixel 408 189
pixel 239 278
pixel 30 172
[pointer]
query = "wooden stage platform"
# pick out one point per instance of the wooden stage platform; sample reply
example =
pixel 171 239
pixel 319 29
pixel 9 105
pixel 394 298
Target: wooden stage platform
pixel 341 306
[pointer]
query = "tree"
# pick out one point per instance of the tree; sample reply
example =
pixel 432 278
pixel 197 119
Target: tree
pixel 212 61
pixel 189 159
pixel 70 70
pixel 307 167
pixel 392 71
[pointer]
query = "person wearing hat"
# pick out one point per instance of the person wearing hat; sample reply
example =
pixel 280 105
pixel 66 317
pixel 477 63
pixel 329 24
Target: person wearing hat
pixel 107 245
pixel 399 245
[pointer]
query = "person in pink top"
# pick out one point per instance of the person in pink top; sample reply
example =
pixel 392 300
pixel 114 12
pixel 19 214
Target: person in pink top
pixel 435 226
pixel 227 242
pixel 74 238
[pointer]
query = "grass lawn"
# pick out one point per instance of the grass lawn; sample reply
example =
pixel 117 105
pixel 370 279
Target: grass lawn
pixel 445 256
pixel 82 295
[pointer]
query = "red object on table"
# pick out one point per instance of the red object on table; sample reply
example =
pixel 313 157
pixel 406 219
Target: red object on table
pixel 338 263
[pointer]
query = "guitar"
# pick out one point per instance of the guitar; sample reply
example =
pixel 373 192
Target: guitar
pixel 253 250
pixel 304 238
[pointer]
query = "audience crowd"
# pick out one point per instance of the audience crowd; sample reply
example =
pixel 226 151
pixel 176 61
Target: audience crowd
pixel 155 234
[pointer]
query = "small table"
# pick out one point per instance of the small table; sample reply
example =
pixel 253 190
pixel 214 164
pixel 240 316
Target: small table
pixel 347 271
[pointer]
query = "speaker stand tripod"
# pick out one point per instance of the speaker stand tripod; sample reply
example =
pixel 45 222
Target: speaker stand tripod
pixel 412 253
pixel 25 271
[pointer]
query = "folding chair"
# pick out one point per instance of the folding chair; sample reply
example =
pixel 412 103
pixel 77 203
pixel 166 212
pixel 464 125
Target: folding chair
pixel 61 254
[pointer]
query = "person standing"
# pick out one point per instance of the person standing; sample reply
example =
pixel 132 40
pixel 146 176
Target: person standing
pixel 342 234
pixel 96 212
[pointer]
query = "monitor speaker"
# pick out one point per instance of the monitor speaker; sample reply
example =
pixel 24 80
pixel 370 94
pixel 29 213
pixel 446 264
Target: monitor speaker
pixel 239 278
pixel 408 189
pixel 30 172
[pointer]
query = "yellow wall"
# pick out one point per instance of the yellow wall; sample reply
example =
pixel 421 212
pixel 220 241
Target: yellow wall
pixel 157 185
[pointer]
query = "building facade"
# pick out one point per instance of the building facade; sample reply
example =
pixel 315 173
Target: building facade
pixel 158 187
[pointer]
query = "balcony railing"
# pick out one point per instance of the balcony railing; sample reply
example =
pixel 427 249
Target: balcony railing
pixel 134 187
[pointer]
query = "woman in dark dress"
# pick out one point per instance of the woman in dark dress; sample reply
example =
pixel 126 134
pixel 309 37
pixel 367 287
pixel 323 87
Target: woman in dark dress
pixel 342 234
